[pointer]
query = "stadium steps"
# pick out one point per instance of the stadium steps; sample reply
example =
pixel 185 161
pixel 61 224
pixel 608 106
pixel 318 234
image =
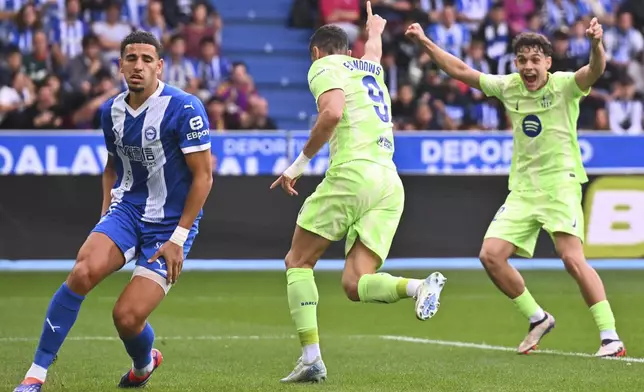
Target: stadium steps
pixel 256 32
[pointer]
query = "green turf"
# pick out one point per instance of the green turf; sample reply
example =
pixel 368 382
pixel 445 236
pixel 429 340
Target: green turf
pixel 225 304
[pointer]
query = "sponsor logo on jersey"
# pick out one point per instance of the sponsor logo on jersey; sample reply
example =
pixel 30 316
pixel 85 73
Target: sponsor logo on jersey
pixel 531 125
pixel 614 211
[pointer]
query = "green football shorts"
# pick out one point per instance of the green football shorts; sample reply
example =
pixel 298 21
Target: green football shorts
pixel 524 213
pixel 357 199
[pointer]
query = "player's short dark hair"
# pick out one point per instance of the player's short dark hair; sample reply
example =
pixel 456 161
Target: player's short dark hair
pixel 141 37
pixel 330 39
pixel 532 40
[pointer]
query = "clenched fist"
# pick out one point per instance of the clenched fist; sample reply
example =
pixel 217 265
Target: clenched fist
pixel 415 32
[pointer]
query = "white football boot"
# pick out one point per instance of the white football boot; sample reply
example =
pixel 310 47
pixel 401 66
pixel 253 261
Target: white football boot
pixel 428 296
pixel 307 373
pixel 611 348
pixel 536 332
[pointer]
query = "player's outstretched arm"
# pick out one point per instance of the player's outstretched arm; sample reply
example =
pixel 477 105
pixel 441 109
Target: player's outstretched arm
pixel 375 27
pixel 108 180
pixel 587 75
pixel 452 65
pixel 331 108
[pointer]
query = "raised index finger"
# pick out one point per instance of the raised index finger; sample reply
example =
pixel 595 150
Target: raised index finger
pixel 369 12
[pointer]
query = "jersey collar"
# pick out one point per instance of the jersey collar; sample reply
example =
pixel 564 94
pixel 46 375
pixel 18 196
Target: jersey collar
pixel 141 109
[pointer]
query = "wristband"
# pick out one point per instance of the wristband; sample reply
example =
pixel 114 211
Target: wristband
pixel 179 236
pixel 297 168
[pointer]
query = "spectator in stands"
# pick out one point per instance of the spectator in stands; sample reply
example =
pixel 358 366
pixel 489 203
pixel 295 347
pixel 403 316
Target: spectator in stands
pixel 484 114
pixel 450 35
pixel 342 13
pixel 403 106
pixel 67 34
pixel 561 60
pixel 16 96
pixel 561 13
pixel 623 42
pixel 625 111
pixel 393 74
pixel 257 116
pixel 83 68
pixel 237 90
pixel 14 64
pixel 424 119
pixel 472 12
pixel 27 22
pixel 518 14
pixel 220 120
pixel 41 62
pixel 87 116
pixel 535 24
pixel 476 57
pixel 579 45
pixel 112 31
pixel 42 114
pixel 201 26
pixel 211 69
pixel 179 70
pixel 155 23
pixel 495 32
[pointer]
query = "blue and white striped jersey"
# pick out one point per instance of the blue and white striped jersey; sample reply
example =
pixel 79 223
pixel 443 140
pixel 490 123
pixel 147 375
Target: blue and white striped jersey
pixel 148 146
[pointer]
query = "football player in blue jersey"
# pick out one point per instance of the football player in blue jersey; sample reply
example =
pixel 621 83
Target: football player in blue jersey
pixel 156 180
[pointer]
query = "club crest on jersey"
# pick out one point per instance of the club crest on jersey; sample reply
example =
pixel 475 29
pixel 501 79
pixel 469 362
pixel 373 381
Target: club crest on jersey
pixel 546 101
pixel 531 125
pixel 150 133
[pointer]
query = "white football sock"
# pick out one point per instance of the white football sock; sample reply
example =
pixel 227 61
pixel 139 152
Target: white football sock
pixel 311 352
pixel 537 316
pixel 608 334
pixel 37 372
pixel 412 286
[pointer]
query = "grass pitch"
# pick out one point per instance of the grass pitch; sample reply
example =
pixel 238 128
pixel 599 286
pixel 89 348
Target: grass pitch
pixel 231 331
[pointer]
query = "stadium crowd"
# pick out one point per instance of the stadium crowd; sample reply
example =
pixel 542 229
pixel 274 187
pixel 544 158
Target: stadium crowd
pixel 61 61
pixel 60 58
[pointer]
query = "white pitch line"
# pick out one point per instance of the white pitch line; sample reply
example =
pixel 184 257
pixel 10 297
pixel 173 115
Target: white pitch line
pixel 115 338
pixel 488 347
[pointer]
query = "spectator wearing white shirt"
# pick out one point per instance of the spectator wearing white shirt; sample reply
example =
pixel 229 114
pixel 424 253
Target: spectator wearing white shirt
pixel 452 36
pixel 625 110
pixel 15 97
pixel 112 31
pixel 623 42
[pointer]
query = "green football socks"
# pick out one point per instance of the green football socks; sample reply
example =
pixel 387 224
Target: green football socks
pixel 382 288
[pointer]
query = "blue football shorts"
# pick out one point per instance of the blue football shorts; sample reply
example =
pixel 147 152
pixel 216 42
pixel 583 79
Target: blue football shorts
pixel 139 240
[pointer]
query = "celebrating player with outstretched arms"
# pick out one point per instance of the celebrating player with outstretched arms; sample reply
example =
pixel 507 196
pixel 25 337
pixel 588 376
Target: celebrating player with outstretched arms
pixel 156 181
pixel 361 196
pixel 545 175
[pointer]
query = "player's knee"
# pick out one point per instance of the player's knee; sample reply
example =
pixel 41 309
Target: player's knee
pixel 492 258
pixel 127 320
pixel 350 286
pixel 82 279
pixel 573 262
pixel 295 260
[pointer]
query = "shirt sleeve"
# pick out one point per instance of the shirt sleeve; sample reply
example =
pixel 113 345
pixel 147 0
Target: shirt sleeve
pixel 194 128
pixel 324 78
pixel 106 126
pixel 566 82
pixel 493 85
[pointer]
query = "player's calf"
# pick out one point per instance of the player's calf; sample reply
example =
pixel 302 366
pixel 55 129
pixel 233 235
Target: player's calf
pixel 494 257
pixel 141 296
pixel 97 258
pixel 570 250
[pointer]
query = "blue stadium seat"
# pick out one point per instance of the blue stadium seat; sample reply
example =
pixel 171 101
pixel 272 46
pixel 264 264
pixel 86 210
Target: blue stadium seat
pixel 278 70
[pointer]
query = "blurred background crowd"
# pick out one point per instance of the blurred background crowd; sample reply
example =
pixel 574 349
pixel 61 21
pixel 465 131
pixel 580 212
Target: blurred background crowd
pixel 59 58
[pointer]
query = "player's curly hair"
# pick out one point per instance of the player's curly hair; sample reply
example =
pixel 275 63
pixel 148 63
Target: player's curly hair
pixel 330 39
pixel 141 37
pixel 532 40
